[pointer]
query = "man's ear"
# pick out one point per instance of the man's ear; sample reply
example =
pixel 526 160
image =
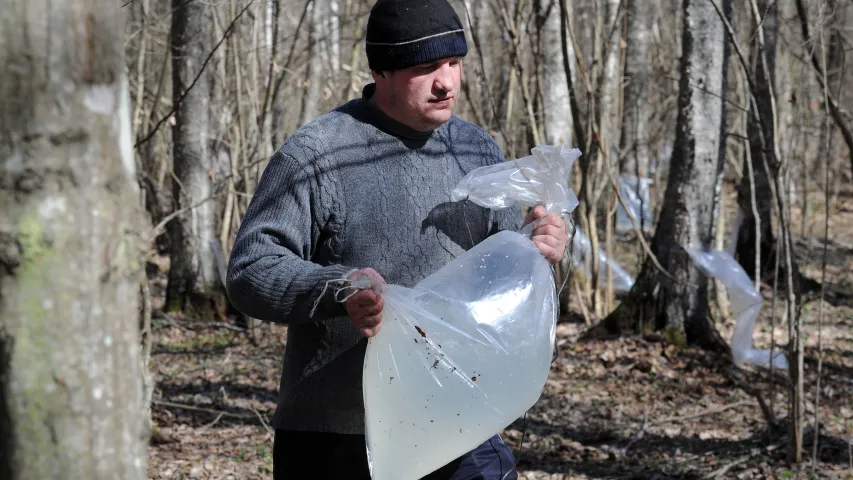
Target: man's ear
pixel 377 75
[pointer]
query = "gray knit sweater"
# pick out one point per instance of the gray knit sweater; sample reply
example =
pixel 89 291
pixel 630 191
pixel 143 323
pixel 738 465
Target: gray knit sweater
pixel 351 189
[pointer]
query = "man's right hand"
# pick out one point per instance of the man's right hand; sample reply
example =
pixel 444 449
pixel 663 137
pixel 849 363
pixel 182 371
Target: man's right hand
pixel 365 307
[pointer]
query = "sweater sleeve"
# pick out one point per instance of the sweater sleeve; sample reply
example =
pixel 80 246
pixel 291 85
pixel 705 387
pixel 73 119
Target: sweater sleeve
pixel 270 275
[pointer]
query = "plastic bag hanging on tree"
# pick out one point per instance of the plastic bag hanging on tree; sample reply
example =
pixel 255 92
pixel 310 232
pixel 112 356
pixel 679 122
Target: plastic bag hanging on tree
pixel 635 193
pixel 746 305
pixel 582 248
pixel 467 351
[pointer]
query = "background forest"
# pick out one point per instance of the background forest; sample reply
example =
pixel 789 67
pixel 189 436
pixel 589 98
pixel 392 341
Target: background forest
pixel 133 133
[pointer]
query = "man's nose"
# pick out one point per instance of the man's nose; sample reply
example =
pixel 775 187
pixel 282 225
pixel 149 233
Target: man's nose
pixel 444 79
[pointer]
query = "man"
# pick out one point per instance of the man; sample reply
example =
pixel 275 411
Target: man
pixel 367 187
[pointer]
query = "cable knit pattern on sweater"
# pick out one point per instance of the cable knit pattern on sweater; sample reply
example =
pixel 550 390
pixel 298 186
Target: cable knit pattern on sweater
pixel 351 189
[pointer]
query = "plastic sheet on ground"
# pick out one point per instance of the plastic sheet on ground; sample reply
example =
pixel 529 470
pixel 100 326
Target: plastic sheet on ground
pixel 467 351
pixel 746 304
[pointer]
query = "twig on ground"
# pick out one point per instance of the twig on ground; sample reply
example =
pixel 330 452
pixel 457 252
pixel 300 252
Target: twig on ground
pixel 173 322
pixel 755 393
pixel 201 409
pixel 170 320
pixel 639 434
pixel 264 422
pixel 710 411
pixel 224 325
pixel 725 468
pixel 211 424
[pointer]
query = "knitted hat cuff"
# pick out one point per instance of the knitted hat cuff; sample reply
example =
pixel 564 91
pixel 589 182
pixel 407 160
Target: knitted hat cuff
pixel 395 56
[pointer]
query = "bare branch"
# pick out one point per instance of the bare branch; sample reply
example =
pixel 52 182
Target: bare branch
pixel 826 205
pixel 845 128
pixel 195 80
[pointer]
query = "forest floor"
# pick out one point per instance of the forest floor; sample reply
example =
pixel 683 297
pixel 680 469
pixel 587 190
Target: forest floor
pixel 624 408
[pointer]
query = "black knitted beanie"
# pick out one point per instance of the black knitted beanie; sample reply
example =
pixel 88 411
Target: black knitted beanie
pixel 403 33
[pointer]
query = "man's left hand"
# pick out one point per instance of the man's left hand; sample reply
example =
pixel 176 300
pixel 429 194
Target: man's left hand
pixel 550 235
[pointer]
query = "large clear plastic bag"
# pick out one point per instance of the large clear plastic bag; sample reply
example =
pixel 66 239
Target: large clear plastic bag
pixel 635 193
pixel 746 304
pixel 467 351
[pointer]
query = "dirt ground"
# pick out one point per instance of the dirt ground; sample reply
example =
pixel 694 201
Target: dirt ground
pixel 624 408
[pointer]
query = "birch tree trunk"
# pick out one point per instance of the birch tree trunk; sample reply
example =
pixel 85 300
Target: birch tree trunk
pixel 70 370
pixel 194 282
pixel 314 76
pixel 334 41
pixel 555 95
pixel 277 108
pixel 635 122
pixel 610 82
pixel 679 306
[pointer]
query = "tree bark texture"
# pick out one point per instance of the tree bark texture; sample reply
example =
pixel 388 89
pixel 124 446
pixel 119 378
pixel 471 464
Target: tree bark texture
pixel 610 82
pixel 558 114
pixel 314 76
pixel 679 306
pixel 70 370
pixel 635 121
pixel 765 165
pixel 193 278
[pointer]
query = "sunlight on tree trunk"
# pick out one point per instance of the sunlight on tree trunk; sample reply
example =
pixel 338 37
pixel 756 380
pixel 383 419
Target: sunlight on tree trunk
pixel 679 306
pixel 314 75
pixel 70 378
pixel 193 278
pixel 555 97
pixel 635 124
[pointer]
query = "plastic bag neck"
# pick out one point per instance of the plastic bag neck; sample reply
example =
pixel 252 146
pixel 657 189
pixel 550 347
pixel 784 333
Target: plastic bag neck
pixel 537 179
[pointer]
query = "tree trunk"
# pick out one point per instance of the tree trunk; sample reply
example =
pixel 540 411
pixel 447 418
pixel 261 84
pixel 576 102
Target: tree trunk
pixel 607 111
pixel 784 88
pixel 194 284
pixel 314 75
pixel 679 307
pixel 761 139
pixel 70 370
pixel 610 82
pixel 635 122
pixel 278 110
pixel 334 41
pixel 555 95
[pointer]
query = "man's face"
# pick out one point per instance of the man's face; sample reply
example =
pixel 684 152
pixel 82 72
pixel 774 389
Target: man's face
pixel 421 96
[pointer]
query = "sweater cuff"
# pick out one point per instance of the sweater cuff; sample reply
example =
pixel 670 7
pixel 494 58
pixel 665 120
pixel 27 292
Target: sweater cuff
pixel 323 304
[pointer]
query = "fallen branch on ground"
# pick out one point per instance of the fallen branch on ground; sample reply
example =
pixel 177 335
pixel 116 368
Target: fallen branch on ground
pixel 725 468
pixel 211 424
pixel 264 423
pixel 639 435
pixel 172 321
pixel 710 411
pixel 201 409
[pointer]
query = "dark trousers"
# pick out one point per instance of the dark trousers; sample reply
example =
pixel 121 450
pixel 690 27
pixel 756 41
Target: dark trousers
pixel 300 455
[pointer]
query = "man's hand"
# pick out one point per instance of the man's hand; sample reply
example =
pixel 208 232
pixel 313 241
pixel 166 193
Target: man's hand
pixel 550 235
pixel 365 307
